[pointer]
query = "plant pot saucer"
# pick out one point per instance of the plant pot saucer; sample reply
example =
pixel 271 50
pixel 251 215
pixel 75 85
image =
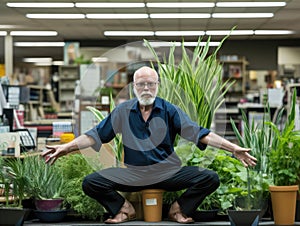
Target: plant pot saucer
pixel 50 216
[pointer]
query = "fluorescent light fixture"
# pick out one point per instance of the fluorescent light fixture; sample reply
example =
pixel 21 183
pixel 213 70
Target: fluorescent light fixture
pixel 242 15
pixel 109 5
pixel 33 33
pixel 43 64
pixel 58 62
pixel 273 32
pixel 39 44
pixel 179 33
pixel 179 15
pixel 201 43
pixel 54 16
pixel 164 44
pixel 117 16
pixel 180 5
pixel 128 33
pixel 229 32
pixel 38 60
pixel 40 4
pixel 3 33
pixel 250 4
pixel 99 59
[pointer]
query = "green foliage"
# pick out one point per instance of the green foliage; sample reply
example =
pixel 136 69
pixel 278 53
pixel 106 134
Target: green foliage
pixel 234 179
pixel 74 168
pixel 195 83
pixel 285 154
pixel 13 175
pixel 44 181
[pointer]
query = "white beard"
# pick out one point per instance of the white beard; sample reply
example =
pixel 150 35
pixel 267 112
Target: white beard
pixel 144 99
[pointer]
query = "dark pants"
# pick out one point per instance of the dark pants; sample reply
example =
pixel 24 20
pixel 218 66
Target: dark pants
pixel 199 183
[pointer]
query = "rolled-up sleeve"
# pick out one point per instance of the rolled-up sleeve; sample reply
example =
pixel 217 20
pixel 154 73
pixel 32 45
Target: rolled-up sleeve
pixel 203 132
pixel 94 134
pixel 102 133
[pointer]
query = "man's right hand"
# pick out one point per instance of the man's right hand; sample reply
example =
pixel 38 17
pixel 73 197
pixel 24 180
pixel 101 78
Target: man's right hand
pixel 53 152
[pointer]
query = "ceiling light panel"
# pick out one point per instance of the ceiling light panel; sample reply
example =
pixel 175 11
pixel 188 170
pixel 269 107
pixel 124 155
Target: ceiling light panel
pixel 109 5
pixel 40 4
pixel 250 4
pixel 229 32
pixel 3 33
pixel 55 16
pixel 117 16
pixel 39 44
pixel 242 15
pixel 273 32
pixel 128 33
pixel 179 15
pixel 180 4
pixel 33 33
pixel 179 33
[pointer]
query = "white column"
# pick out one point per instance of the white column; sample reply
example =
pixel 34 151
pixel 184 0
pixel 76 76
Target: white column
pixel 8 55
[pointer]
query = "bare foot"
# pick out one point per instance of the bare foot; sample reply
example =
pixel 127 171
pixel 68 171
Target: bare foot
pixel 126 213
pixel 176 215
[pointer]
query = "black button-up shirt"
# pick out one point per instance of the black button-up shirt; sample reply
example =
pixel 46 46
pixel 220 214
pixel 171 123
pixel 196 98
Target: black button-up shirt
pixel 152 141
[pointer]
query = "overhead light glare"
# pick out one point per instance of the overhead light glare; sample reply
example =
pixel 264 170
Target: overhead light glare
pixel 117 16
pixel 164 44
pixel 128 33
pixel 179 15
pixel 109 5
pixel 33 33
pixel 242 15
pixel 180 5
pixel 58 62
pixel 40 4
pixel 273 32
pixel 99 59
pixel 39 44
pixel 229 32
pixel 250 4
pixel 179 33
pixel 3 33
pixel 38 60
pixel 54 16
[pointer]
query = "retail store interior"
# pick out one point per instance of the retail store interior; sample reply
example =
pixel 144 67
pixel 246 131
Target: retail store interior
pixel 57 58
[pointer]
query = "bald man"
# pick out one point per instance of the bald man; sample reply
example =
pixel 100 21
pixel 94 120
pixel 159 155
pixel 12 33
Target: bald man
pixel 149 126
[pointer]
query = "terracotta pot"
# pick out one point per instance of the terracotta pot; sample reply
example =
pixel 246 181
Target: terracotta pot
pixel 284 204
pixel 152 204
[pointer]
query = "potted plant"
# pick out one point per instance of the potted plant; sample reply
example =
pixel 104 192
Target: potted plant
pixel 74 168
pixel 45 184
pixel 284 163
pixel 13 180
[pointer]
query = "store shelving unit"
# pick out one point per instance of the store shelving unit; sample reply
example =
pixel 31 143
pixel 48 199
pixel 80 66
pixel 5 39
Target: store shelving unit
pixel 235 70
pixel 67 79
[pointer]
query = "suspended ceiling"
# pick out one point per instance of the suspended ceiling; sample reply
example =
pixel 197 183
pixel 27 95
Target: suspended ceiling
pixel 287 18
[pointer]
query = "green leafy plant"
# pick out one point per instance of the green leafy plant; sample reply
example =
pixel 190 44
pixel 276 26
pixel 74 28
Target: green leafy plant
pixel 44 181
pixel 195 84
pixel 13 176
pixel 285 155
pixel 74 168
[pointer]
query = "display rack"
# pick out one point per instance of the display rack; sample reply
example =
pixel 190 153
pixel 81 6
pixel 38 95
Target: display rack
pixel 67 79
